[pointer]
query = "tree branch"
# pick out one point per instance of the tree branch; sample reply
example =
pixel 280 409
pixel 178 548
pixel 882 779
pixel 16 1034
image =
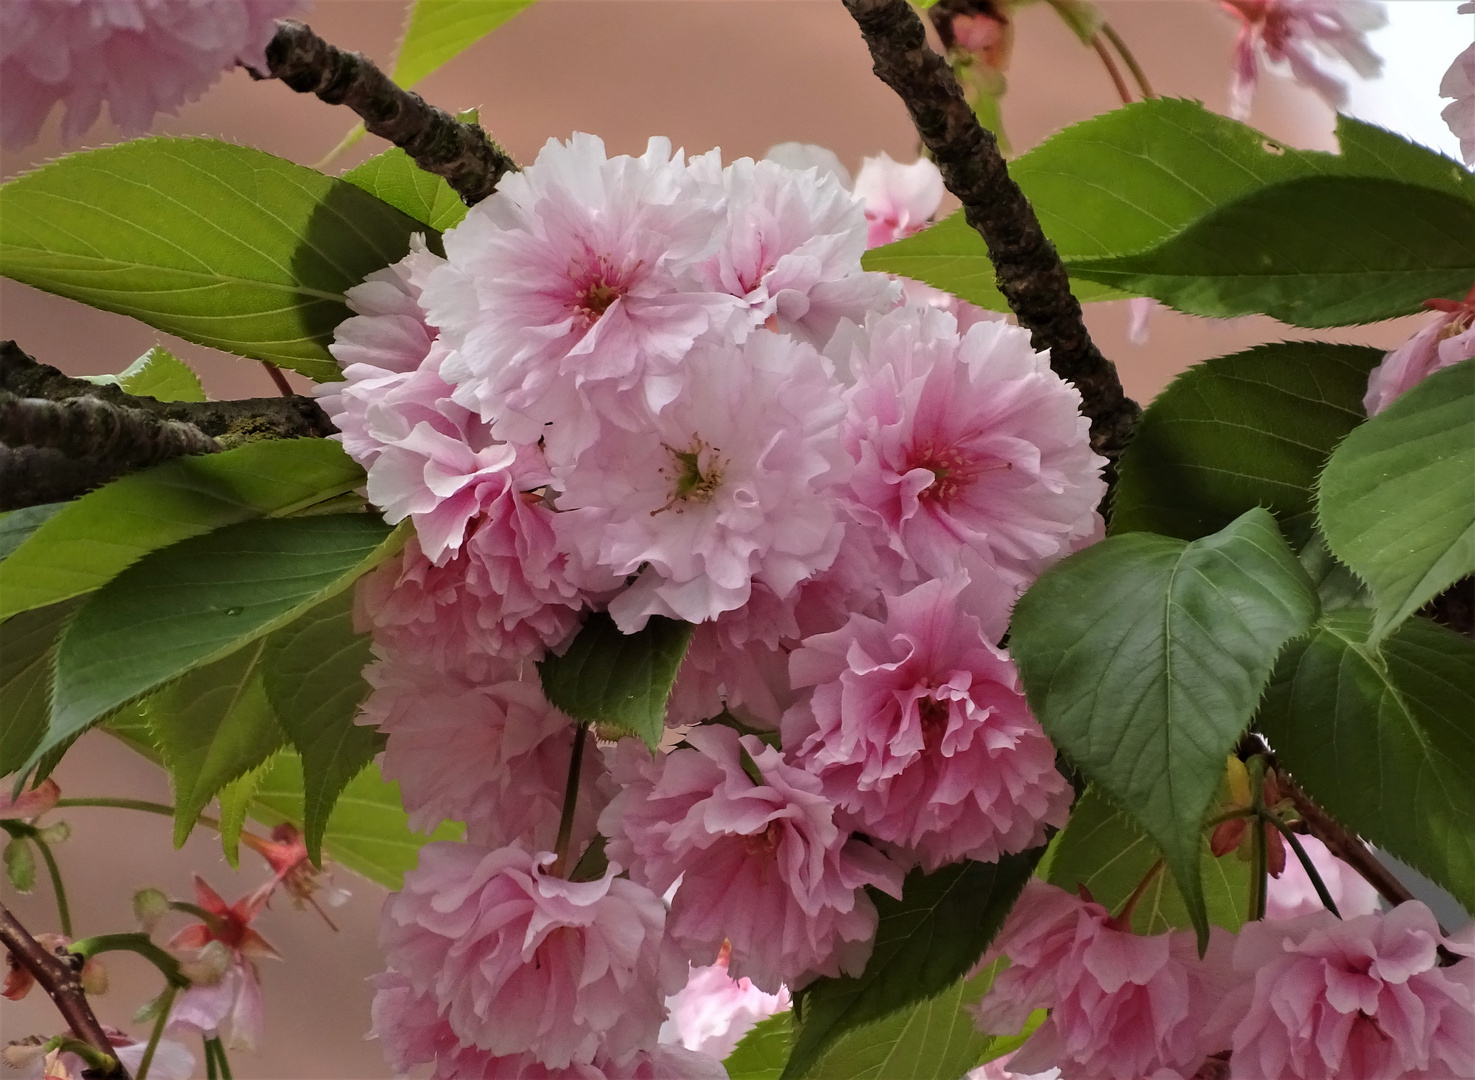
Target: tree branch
pixel 1028 271
pixel 84 427
pixel 1344 845
pixel 30 476
pixel 437 142
pixel 62 982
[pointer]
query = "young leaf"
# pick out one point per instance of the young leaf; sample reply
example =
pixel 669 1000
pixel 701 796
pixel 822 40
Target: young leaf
pixel 1395 499
pixel 1382 738
pixel 441 30
pixel 397 180
pixel 202 599
pixel 1144 658
pixel 368 830
pixel 762 1052
pixel 314 677
pixel 222 245
pixel 618 679
pixel 924 942
pixel 158 374
pixel 27 642
pixel 213 726
pixel 1316 251
pixel 235 803
pixel 89 541
pixel 1251 429
pixel 1104 849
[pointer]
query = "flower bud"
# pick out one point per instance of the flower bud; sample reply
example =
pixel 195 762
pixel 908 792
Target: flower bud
pixel 58 832
pixel 94 977
pixel 149 906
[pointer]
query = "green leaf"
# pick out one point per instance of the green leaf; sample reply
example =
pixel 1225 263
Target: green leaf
pixel 1317 251
pixel 314 676
pixel 924 942
pixel 1251 429
pixel 368 831
pixel 27 644
pixel 622 680
pixel 202 599
pixel 1104 849
pixel 20 864
pixel 222 245
pixel 441 30
pixel 158 374
pixel 1382 738
pixel 235 803
pixel 1395 499
pixel 1144 658
pixel 89 541
pixel 394 178
pixel 213 726
pixel 1123 182
pixel 16 526
pixel 762 1052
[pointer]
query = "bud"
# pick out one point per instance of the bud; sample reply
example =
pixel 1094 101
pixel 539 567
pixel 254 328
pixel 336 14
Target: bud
pixel 208 966
pixel 58 832
pixel 149 906
pixel 94 977
pixel 20 864
pixel 24 1055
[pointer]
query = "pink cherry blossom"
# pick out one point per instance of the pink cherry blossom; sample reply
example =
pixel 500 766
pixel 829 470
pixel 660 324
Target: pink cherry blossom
pixel 140 57
pixel 762 866
pixel 1364 998
pixel 1445 340
pixel 520 962
pixel 967 443
pixel 714 1011
pixel 568 297
pixel 968 315
pixel 729 485
pixel 791 250
pixel 800 156
pixel 1292 32
pixel 917 727
pixel 899 199
pixel 1122 1006
pixel 1292 894
pixel 171 1060
pixel 492 753
pixel 1459 83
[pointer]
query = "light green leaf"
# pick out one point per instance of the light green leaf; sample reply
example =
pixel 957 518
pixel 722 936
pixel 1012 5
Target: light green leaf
pixel 1144 658
pixel 16 526
pixel 924 942
pixel 1395 501
pixel 1104 849
pixel 314 676
pixel 1251 429
pixel 441 30
pixel 199 601
pixel 89 541
pixel 212 726
pixel 394 178
pixel 222 245
pixel 1382 738
pixel 762 1052
pixel 622 680
pixel 235 803
pixel 368 831
pixel 27 644
pixel 1083 18
pixel 160 374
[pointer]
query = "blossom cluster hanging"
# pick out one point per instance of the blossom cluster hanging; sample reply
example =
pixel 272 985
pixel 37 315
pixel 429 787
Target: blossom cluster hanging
pixel 653 386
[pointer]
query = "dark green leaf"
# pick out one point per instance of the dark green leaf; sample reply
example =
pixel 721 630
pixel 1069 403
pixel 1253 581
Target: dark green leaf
pixel 394 178
pixel 622 680
pixel 199 601
pixel 762 1052
pixel 1396 500
pixel 223 245
pixel 213 726
pixel 925 942
pixel 27 643
pixel 90 540
pixel 1316 251
pixel 314 676
pixel 1251 429
pixel 20 864
pixel 1144 658
pixel 440 30
pixel 235 803
pixel 1382 738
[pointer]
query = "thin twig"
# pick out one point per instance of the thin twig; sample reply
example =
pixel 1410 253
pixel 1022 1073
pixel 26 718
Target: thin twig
pixel 1112 70
pixel 1028 271
pixel 1131 61
pixel 63 984
pixel 1344 845
pixel 437 142
pixel 1322 892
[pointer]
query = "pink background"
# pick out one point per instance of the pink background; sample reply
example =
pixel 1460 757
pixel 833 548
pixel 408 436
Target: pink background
pixel 739 75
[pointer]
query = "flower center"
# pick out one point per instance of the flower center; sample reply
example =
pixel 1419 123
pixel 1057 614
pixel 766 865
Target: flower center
pixel 597 283
pixel 953 471
pixel 765 842
pixel 934 717
pixel 695 475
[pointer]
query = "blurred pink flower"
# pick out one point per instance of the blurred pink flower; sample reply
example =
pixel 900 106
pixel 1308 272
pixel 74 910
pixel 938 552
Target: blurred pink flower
pixel 1445 340
pixel 713 1011
pixel 899 199
pixel 520 962
pixel 1459 83
pixel 140 57
pixel 1291 894
pixel 1291 31
pixel 1360 999
pixel 32 803
pixel 205 1007
pixel 762 865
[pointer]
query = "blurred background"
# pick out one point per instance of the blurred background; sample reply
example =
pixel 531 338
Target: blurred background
pixel 737 74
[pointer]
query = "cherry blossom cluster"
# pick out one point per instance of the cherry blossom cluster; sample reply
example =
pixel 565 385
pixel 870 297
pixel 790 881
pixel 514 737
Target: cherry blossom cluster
pixel 653 386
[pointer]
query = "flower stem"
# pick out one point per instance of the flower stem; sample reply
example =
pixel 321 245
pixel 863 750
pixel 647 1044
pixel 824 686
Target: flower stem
pixel 143 805
pixel 1112 70
pixel 1322 891
pixel 63 910
pixel 135 942
pixel 211 1072
pixel 1123 919
pixel 215 1053
pixel 1131 61
pixel 1260 874
pixel 570 798
pixel 166 1003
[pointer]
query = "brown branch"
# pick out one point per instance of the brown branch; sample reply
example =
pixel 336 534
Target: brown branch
pixel 1028 271
pixel 1344 845
pixel 30 476
pixel 62 981
pixel 437 142
pixel 84 427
